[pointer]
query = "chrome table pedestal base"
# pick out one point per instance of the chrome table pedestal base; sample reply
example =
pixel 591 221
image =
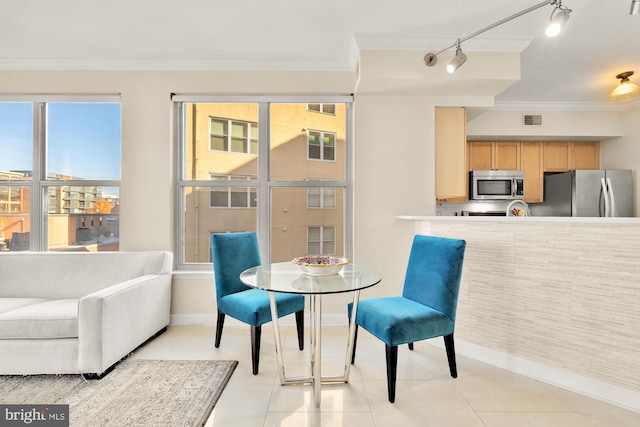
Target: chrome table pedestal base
pixel 316 379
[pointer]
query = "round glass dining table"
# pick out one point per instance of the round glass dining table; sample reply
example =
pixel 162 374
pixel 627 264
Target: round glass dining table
pixel 288 278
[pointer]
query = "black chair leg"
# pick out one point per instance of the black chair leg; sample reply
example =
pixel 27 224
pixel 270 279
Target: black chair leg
pixel 355 340
pixel 219 326
pixel 392 367
pixel 451 355
pixel 300 328
pixel 256 332
pixel 411 346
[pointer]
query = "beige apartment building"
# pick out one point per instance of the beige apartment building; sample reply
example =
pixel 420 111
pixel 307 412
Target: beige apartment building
pixel 307 144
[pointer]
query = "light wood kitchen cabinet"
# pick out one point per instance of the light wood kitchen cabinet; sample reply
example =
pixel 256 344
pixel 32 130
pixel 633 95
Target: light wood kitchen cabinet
pixel 557 156
pixel 585 155
pixel 451 154
pixel 485 155
pixel 531 164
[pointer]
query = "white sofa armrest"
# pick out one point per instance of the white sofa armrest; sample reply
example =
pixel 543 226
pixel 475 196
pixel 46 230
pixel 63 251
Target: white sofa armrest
pixel 114 321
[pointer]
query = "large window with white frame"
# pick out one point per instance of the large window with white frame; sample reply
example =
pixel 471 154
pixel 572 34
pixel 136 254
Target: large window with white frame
pixel 59 173
pixel 275 189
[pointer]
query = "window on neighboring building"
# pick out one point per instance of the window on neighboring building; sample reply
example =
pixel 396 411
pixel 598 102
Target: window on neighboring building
pixel 234 136
pixel 321 240
pixel 77 172
pixel 233 197
pixel 322 108
pixel 322 145
pixel 274 188
pixel 321 198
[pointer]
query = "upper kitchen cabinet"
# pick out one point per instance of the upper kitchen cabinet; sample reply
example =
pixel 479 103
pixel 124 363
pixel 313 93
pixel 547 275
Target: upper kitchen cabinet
pixel 557 156
pixel 585 155
pixel 451 154
pixel 494 155
pixel 566 156
pixel 531 164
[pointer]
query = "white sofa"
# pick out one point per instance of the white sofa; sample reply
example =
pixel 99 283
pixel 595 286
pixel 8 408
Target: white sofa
pixel 79 312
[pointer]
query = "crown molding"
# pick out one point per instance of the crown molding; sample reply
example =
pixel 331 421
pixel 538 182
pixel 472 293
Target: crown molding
pixel 176 64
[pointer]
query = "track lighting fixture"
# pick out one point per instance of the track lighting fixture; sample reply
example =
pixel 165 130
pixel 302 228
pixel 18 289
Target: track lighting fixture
pixel 457 61
pixel 625 89
pixel 635 7
pixel 559 17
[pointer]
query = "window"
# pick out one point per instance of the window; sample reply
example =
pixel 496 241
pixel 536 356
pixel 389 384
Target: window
pixel 76 174
pixel 321 240
pixel 321 198
pixel 243 137
pixel 322 145
pixel 322 108
pixel 274 188
pixel 233 197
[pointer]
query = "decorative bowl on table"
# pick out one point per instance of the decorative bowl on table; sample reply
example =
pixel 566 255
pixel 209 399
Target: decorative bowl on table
pixel 320 265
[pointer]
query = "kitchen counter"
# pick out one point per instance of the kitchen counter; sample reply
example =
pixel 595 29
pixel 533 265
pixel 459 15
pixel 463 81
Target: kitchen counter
pixel 559 292
pixel 565 219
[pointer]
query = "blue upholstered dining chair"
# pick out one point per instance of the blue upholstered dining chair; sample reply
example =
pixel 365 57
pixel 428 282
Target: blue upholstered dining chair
pixel 232 254
pixel 427 307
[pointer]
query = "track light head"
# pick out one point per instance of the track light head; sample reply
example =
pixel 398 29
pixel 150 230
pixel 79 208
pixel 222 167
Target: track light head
pixel 635 7
pixel 559 18
pixel 457 60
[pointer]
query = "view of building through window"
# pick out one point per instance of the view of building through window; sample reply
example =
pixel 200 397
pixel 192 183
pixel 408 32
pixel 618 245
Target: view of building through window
pixel 79 186
pixel 306 160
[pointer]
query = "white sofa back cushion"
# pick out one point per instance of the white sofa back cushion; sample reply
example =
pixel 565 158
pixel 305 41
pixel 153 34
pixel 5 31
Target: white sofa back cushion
pixel 64 275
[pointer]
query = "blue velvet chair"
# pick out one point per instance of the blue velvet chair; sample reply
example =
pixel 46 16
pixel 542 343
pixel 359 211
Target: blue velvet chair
pixel 427 307
pixel 232 254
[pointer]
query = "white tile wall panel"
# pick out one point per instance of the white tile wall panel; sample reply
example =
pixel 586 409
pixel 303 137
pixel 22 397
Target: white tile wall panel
pixel 560 293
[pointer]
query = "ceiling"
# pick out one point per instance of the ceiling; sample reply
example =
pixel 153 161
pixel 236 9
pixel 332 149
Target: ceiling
pixel 577 68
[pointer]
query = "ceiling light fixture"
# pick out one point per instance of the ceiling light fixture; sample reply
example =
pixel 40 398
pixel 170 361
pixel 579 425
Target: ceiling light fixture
pixel 625 89
pixel 457 61
pixel 430 59
pixel 635 7
pixel 559 17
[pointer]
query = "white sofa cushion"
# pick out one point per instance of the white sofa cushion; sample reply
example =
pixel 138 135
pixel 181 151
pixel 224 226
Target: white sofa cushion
pixel 42 320
pixel 8 304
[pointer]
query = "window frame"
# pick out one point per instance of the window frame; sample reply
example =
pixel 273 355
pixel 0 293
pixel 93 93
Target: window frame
pixel 263 184
pixel 40 182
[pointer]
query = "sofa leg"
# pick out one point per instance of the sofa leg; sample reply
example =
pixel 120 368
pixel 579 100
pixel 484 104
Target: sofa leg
pixel 219 326
pixel 256 332
pixel 96 376
pixel 451 355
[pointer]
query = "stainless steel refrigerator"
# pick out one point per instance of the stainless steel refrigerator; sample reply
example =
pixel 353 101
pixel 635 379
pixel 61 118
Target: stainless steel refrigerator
pixel 604 192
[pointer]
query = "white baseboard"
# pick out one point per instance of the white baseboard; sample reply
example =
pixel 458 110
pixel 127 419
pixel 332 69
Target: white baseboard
pixel 599 390
pixel 615 395
pixel 210 320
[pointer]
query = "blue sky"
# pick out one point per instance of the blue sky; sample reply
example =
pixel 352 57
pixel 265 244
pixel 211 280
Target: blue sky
pixel 83 139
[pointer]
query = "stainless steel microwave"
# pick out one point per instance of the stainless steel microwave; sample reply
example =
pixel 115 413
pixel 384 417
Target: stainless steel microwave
pixel 496 185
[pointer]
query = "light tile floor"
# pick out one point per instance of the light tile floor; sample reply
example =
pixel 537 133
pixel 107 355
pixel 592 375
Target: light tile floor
pixel 426 395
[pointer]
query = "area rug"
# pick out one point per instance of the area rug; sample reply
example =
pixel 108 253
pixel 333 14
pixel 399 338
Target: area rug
pixel 135 393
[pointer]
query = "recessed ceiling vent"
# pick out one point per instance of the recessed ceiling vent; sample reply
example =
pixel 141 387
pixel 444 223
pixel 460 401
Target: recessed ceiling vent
pixel 532 119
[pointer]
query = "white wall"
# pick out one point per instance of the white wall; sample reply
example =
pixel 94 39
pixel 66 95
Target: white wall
pixel 558 125
pixel 624 152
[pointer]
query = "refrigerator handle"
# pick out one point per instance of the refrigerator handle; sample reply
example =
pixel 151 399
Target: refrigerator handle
pixel 605 193
pixel 612 199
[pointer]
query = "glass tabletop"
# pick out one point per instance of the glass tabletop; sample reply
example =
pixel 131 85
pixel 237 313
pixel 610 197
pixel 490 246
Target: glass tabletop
pixel 287 277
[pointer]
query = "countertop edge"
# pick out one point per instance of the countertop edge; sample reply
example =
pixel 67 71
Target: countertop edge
pixel 562 219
